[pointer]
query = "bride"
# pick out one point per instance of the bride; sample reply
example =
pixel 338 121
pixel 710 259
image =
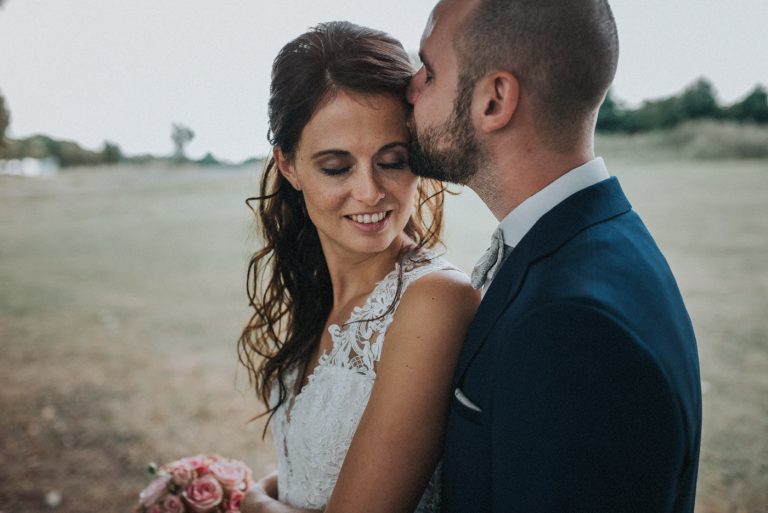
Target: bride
pixel 358 323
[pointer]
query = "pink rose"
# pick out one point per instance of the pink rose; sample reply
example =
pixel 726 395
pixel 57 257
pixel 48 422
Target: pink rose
pixel 154 491
pixel 155 509
pixel 235 500
pixel 204 494
pixel 172 504
pixel 232 474
pixel 183 473
pixel 199 463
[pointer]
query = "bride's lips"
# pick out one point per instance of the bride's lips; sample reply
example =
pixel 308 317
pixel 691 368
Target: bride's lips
pixel 370 227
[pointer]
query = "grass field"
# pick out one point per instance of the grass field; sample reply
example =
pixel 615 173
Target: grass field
pixel 122 296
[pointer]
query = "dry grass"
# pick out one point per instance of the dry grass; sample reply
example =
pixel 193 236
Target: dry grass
pixel 122 295
pixel 703 140
pixel 121 298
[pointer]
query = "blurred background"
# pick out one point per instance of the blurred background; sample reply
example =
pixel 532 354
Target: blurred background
pixel 131 134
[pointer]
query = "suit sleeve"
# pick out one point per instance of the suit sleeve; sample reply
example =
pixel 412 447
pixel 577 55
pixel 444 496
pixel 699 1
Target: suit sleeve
pixel 583 418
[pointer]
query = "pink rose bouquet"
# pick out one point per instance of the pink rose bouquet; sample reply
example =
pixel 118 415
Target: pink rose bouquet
pixel 206 483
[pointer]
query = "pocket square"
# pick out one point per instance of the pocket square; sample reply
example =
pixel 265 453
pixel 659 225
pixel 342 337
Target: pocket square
pixel 463 399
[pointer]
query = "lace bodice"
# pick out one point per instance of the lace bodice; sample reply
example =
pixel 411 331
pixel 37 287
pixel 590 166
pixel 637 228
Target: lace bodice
pixel 313 430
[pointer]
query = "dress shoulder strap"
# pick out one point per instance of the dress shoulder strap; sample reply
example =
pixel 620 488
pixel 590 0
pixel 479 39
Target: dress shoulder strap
pixel 358 342
pixel 421 263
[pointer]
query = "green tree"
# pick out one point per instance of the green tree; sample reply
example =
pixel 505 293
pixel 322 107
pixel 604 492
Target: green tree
pixel 5 116
pixel 39 147
pixel 181 136
pixel 654 114
pixel 111 153
pixel 610 118
pixel 208 160
pixel 753 108
pixel 699 101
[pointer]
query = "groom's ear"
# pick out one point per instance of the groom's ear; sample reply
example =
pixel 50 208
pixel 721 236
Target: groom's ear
pixel 286 168
pixel 495 100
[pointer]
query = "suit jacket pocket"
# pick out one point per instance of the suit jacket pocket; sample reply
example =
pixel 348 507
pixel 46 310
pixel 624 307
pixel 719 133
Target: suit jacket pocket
pixel 466 408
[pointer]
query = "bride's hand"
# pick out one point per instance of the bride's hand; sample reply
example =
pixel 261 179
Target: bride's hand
pixel 268 484
pixel 260 492
pixel 261 497
pixel 254 499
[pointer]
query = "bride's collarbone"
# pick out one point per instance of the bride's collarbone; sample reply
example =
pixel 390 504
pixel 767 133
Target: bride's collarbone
pixel 341 313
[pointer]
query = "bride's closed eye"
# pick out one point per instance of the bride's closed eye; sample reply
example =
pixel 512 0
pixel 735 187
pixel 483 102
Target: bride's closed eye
pixel 392 158
pixel 399 164
pixel 334 171
pixel 334 165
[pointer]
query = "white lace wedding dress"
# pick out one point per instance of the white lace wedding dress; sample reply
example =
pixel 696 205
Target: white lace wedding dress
pixel 313 430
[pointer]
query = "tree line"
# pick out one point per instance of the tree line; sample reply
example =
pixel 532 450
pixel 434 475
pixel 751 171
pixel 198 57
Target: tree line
pixel 67 153
pixel 698 101
pixel 70 154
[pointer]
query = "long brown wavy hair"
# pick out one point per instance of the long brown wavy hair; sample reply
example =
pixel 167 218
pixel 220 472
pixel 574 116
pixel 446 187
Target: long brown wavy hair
pixel 288 283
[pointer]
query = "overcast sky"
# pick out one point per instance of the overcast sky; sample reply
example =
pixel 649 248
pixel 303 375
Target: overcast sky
pixel 90 70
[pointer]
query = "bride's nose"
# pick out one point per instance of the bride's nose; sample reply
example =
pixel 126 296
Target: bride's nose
pixel 366 188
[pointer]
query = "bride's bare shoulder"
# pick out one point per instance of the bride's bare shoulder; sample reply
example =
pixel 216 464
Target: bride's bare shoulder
pixel 438 306
pixel 447 287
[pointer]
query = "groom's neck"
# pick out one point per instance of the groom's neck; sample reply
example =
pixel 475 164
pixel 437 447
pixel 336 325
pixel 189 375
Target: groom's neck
pixel 518 169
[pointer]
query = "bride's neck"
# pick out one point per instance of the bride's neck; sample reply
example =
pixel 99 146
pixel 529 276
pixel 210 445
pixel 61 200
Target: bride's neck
pixel 355 275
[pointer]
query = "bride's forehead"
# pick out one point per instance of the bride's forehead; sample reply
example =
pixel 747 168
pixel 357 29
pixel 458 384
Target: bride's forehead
pixel 343 106
pixel 356 121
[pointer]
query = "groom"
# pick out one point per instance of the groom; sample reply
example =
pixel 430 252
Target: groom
pixel 578 387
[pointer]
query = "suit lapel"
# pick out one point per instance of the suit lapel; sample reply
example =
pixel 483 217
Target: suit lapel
pixel 576 213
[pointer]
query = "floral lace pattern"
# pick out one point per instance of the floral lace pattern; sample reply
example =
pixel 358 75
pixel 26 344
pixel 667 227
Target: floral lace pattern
pixel 313 429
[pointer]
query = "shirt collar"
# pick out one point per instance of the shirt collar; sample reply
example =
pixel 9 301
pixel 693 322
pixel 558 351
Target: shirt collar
pixel 518 222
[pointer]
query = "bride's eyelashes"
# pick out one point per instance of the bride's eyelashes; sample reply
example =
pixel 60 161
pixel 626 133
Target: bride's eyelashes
pixel 400 164
pixel 394 158
pixel 335 171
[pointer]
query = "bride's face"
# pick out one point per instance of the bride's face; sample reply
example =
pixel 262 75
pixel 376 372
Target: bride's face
pixel 351 165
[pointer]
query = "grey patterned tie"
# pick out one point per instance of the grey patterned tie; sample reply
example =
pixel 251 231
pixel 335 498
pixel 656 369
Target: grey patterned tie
pixel 489 264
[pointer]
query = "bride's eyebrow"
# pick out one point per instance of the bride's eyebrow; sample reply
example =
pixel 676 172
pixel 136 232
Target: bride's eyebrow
pixel 393 145
pixel 337 153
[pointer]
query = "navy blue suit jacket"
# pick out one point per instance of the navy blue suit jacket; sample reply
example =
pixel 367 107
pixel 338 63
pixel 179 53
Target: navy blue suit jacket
pixel 583 361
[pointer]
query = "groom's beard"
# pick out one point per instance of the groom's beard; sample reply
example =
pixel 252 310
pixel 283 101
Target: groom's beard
pixel 449 152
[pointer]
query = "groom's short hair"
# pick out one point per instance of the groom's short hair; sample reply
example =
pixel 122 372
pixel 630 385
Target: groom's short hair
pixel 564 53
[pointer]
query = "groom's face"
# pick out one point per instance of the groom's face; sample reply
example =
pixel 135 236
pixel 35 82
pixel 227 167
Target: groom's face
pixel 444 143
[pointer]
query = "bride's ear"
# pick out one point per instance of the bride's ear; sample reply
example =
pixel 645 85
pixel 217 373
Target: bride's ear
pixel 495 101
pixel 286 168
